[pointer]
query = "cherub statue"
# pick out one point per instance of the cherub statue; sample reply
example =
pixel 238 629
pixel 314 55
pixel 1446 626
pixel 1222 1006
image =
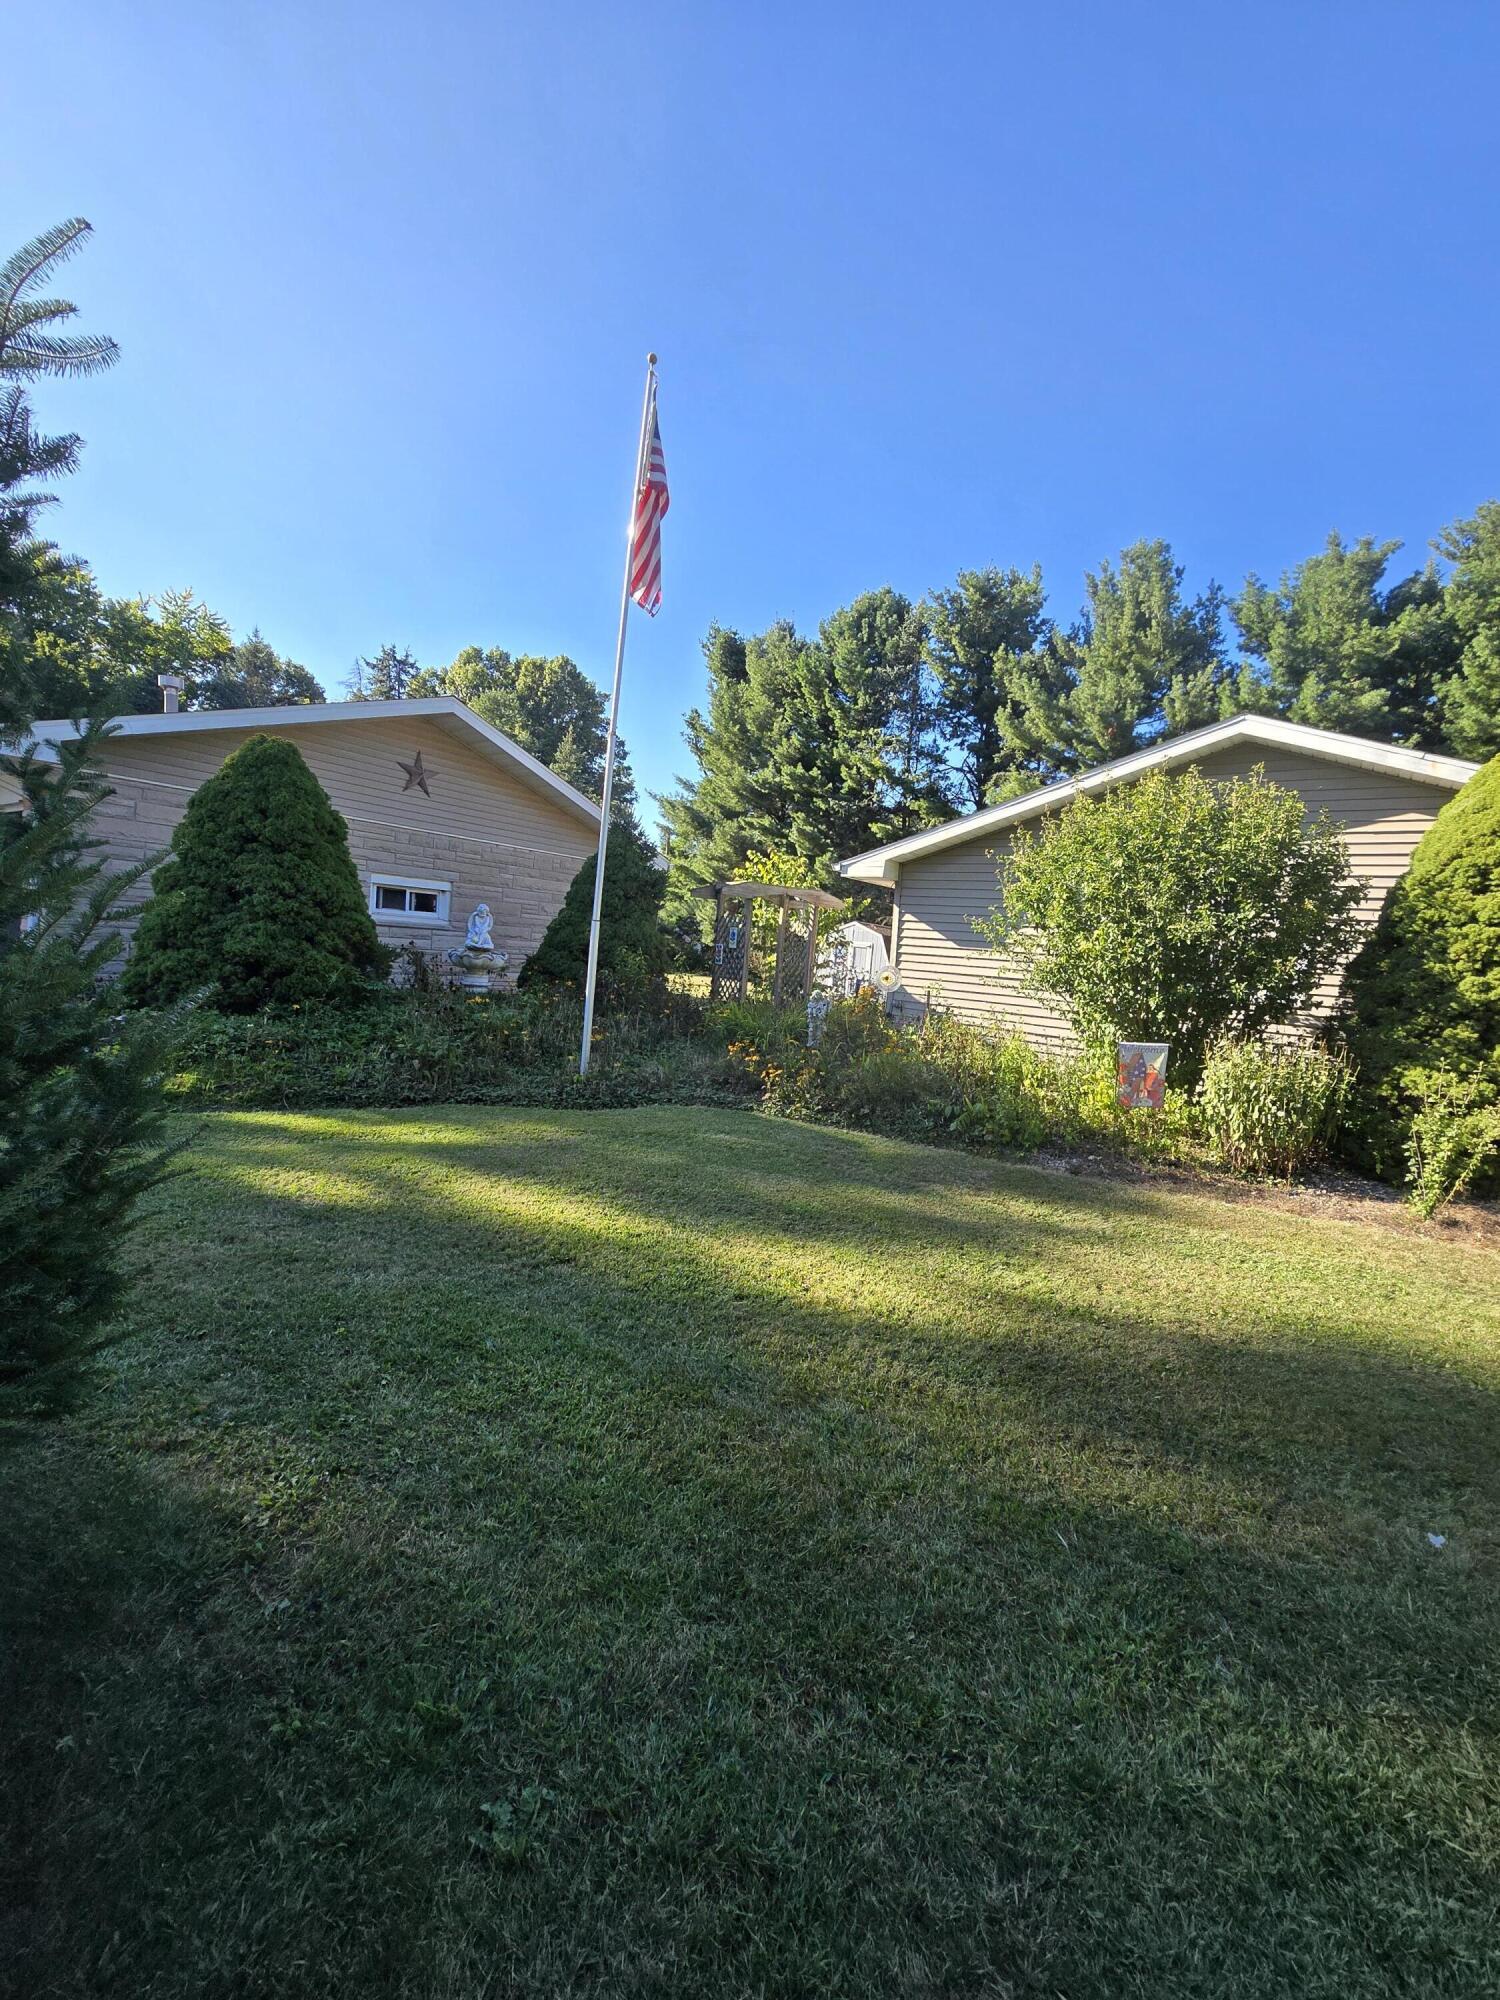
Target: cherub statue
pixel 478 936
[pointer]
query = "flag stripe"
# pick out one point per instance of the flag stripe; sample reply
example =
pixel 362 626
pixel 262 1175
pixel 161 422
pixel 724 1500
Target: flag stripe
pixel 651 503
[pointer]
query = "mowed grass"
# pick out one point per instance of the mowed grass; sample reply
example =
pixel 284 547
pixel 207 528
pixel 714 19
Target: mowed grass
pixel 677 1553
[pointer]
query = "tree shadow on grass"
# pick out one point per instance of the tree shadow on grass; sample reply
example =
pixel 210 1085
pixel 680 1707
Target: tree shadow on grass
pixel 781 1695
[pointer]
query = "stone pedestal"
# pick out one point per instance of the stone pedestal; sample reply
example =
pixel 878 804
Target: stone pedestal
pixel 476 967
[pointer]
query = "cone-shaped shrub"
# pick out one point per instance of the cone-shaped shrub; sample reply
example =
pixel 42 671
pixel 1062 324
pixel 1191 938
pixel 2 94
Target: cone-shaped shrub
pixel 260 904
pixel 1423 995
pixel 633 947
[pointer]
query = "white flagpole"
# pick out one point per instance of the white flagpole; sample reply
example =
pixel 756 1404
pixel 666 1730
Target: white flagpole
pixel 614 724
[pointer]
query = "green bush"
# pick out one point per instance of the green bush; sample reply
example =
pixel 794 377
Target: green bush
pixel 1079 1093
pixel 892 1090
pixel 1423 995
pixel 82 1116
pixel 1177 910
pixel 446 1047
pixel 1450 1141
pixel 1265 1110
pixel 634 950
pixel 260 904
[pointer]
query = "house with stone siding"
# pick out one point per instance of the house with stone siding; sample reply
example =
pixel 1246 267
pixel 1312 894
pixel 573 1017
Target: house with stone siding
pixel 443 811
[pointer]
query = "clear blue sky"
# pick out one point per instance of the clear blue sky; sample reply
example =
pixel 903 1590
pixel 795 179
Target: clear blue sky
pixel 933 287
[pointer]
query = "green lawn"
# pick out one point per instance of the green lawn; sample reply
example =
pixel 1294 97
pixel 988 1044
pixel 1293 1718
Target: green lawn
pixel 678 1553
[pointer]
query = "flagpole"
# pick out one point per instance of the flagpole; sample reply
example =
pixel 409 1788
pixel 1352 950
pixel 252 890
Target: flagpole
pixel 614 725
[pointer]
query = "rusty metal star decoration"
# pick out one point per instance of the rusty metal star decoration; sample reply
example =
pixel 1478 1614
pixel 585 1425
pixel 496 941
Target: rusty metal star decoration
pixel 415 775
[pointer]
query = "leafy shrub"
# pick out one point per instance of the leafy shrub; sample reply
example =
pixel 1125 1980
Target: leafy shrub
pixel 1423 995
pixel 1177 910
pixel 260 903
pixel 892 1089
pixel 448 1047
pixel 1079 1094
pixel 853 1029
pixel 1268 1110
pixel 1450 1138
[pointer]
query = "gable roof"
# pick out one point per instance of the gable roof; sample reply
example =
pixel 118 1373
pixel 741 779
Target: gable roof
pixel 449 715
pixel 882 864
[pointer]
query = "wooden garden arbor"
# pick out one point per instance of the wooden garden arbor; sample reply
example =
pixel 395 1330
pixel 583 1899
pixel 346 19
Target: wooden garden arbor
pixel 796 937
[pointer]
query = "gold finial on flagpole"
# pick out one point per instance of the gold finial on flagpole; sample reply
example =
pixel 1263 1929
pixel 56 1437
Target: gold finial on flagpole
pixel 650 360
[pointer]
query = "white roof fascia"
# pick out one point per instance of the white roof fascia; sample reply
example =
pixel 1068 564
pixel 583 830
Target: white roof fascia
pixel 310 714
pixel 881 864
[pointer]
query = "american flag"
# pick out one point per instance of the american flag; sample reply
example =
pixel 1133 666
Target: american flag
pixel 651 502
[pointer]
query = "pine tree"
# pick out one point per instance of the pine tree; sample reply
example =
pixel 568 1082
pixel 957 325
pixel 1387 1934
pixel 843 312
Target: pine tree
pixel 987 650
pixel 260 904
pixel 854 740
pixel 1471 694
pixel 1333 647
pixel 1141 661
pixel 633 947
pixel 81 1113
pixel 385 676
pixel 82 1123
pixel 253 675
pixel 740 798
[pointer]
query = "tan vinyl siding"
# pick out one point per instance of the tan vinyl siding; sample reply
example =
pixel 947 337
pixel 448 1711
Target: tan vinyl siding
pixel 940 957
pixel 489 834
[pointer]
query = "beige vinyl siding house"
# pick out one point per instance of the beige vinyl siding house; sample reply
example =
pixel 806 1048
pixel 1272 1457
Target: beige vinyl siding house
pixel 491 826
pixel 1384 797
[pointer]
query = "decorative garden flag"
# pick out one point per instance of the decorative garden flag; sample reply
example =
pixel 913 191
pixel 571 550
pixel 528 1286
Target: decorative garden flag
pixel 1141 1078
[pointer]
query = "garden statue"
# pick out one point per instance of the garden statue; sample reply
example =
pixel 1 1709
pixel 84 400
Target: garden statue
pixel 817 1014
pixel 478 961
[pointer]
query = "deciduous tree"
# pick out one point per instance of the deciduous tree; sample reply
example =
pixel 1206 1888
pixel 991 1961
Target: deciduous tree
pixel 1177 910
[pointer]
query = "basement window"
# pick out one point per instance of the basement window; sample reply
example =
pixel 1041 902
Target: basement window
pixel 399 899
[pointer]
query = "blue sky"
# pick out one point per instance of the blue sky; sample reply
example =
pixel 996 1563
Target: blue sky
pixel 932 288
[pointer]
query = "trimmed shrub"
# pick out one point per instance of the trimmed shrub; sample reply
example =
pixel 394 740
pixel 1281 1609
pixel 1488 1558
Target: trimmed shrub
pixel 634 950
pixel 1264 1110
pixel 1423 995
pixel 260 904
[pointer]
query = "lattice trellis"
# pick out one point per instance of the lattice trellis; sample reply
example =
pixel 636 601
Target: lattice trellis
pixel 796 938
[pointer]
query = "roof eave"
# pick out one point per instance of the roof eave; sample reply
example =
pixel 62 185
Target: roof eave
pixel 883 864
pixel 314 714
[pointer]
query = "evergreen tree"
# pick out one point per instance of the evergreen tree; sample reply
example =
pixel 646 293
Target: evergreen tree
pixel 740 798
pixel 82 1120
pixel 1423 994
pixel 81 1114
pixel 385 676
pixel 260 903
pixel 633 947
pixel 987 651
pixel 1334 648
pixel 253 675
pixel 1142 662
pixel 853 741
pixel 1471 694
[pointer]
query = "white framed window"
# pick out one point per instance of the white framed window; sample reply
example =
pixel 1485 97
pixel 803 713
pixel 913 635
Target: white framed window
pixel 403 899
